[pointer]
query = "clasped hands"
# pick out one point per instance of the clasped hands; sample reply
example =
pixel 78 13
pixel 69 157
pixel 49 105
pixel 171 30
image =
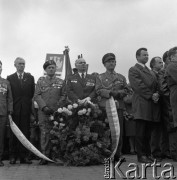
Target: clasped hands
pixel 118 94
pixel 47 110
pixel 84 101
pixel 155 97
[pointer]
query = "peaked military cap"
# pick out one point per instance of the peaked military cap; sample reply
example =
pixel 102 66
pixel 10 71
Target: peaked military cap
pixel 107 57
pixel 48 63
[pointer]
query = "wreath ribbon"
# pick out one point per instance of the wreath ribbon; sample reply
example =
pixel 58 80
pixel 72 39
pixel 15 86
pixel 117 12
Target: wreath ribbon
pixel 113 124
pixel 25 141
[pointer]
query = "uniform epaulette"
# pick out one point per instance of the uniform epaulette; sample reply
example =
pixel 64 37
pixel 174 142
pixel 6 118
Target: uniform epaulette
pixel 41 78
pixel 59 79
pixel 120 75
pixel 100 75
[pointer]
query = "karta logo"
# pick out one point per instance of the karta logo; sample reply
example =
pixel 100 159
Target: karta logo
pixel 137 171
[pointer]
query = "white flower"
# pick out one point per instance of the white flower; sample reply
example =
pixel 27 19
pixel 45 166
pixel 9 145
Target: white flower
pixel 89 109
pixel 62 124
pixel 60 110
pixel 51 118
pixel 70 113
pixel 70 107
pixel 88 113
pixel 61 119
pixel 55 123
pixel 75 105
pixel 64 109
pixel 80 112
pixel 84 111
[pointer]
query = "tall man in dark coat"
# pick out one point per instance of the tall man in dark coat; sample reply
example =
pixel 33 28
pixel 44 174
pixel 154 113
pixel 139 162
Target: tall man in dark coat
pixel 23 86
pixel 156 65
pixel 171 74
pixel 112 84
pixel 6 108
pixel 81 86
pixel 144 103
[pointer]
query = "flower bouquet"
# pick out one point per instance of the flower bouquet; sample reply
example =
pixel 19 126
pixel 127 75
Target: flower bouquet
pixel 80 135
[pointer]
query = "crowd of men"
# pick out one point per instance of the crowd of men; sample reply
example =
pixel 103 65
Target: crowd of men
pixel 154 102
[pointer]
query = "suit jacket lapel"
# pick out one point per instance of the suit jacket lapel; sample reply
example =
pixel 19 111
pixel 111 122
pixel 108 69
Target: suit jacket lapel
pixel 144 69
pixel 16 79
pixel 24 79
pixel 80 79
pixel 147 71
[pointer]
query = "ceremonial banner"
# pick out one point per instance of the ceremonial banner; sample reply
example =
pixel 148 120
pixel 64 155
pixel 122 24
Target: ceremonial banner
pixel 68 69
pixel 113 124
pixel 59 59
pixel 25 141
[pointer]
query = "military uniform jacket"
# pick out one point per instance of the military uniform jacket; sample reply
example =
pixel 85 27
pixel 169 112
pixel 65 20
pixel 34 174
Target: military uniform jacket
pixel 106 82
pixel 22 94
pixel 144 84
pixel 49 92
pixel 78 88
pixel 6 102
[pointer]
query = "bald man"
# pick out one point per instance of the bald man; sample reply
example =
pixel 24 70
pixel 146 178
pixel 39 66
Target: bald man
pixel 81 86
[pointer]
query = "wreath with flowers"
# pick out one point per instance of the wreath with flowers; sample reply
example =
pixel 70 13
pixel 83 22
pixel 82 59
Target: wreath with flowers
pixel 80 135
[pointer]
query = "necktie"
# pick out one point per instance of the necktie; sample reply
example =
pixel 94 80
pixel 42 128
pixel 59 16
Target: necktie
pixel 82 75
pixel 20 77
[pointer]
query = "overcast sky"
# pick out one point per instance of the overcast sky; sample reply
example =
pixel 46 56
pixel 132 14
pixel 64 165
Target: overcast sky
pixel 32 28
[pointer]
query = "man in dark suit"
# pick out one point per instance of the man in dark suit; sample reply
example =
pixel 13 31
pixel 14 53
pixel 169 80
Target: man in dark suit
pixel 145 104
pixel 171 77
pixel 156 65
pixel 81 86
pixel 23 87
pixel 6 108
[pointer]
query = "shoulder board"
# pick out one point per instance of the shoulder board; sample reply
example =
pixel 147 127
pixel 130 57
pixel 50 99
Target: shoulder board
pixel 120 75
pixel 5 81
pixel 101 75
pixel 41 78
pixel 59 80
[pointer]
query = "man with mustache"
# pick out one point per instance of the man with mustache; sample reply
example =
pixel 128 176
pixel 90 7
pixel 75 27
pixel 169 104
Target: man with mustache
pixel 49 95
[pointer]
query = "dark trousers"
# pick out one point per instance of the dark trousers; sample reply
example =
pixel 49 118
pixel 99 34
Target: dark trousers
pixel 16 149
pixel 143 136
pixel 173 143
pixel 156 137
pixel 3 121
pixel 166 125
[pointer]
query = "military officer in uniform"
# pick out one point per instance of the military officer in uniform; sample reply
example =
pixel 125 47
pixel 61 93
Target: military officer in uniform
pixel 113 84
pixel 6 108
pixel 81 86
pixel 49 95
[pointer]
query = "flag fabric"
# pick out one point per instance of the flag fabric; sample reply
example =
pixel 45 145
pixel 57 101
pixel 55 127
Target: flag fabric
pixel 59 60
pixel 68 69
pixel 113 124
pixel 25 141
